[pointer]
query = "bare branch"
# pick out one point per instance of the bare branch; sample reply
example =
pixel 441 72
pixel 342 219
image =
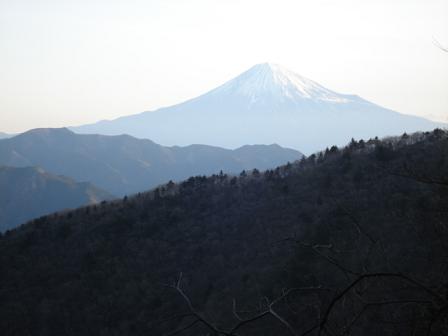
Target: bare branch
pixel 357 224
pixel 182 329
pixel 282 320
pixel 322 325
pixel 368 305
pixel 246 321
pixel 442 311
pixel 439 45
pixel 331 260
pixel 269 311
pixel 235 313
pixel 363 277
pixel 406 172
pixel 232 332
pixel 199 317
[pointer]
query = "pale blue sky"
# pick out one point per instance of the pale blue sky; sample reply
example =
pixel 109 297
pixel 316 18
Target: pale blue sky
pixel 73 62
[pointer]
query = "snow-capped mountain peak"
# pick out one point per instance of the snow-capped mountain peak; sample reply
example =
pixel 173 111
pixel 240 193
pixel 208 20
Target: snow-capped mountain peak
pixel 265 104
pixel 270 80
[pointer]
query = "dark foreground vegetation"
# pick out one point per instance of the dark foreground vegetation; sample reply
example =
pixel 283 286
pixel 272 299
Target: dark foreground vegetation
pixel 352 241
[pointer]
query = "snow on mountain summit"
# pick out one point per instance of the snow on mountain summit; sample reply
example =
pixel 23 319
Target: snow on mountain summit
pixel 265 104
pixel 273 80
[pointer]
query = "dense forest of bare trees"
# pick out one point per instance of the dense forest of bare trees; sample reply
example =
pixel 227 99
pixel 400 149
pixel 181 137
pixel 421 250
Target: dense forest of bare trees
pixel 349 241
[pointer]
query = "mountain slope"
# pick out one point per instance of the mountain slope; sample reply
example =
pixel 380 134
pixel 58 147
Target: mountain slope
pixel 265 104
pixel 124 165
pixel 4 135
pixel 374 208
pixel 30 192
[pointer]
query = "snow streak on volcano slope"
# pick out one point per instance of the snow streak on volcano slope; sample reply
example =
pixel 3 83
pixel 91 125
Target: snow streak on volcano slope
pixel 266 104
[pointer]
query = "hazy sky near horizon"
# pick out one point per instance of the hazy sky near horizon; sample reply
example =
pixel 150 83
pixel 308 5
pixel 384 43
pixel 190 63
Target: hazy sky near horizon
pixel 65 63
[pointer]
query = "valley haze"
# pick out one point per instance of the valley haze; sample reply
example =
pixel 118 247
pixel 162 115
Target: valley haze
pixel 124 165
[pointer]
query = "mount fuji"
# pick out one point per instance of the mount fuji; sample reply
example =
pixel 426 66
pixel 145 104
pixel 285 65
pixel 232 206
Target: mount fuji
pixel 266 104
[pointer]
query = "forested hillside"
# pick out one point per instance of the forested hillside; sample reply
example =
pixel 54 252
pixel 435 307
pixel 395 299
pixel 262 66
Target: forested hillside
pixel 350 241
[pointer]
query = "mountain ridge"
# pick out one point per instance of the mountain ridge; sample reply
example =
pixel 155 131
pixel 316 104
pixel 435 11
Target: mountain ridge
pixel 124 165
pixel 30 192
pixel 5 135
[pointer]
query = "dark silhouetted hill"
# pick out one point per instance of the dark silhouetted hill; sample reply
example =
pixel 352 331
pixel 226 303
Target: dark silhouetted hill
pixel 350 241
